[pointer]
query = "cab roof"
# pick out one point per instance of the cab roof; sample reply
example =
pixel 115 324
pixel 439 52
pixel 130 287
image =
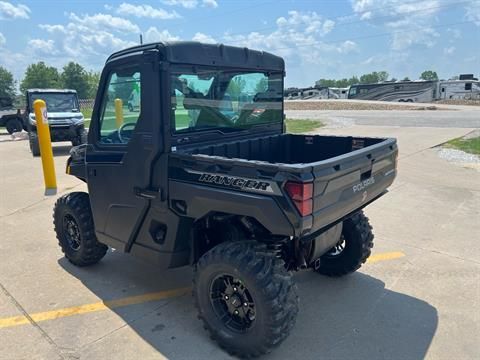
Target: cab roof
pixel 51 91
pixel 196 53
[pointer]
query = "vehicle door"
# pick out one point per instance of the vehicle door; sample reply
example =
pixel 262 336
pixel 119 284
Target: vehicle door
pixel 122 146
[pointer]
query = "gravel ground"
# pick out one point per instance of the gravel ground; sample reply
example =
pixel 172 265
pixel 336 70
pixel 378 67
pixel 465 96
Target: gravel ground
pixel 460 102
pixel 458 156
pixel 350 105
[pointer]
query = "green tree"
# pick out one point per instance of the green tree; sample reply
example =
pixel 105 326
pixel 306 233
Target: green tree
pixel 93 78
pixel 429 75
pixel 374 77
pixel 236 86
pixel 326 82
pixel 75 77
pixel 7 84
pixel 40 76
pixel 353 80
pixel 261 86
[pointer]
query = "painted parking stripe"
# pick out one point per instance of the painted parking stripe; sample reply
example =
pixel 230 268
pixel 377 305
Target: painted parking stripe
pixel 385 256
pixel 132 300
pixel 94 307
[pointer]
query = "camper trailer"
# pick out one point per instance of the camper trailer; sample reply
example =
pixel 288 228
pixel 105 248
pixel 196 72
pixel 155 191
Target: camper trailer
pixel 400 91
pixel 467 87
pixel 337 93
pixel 315 93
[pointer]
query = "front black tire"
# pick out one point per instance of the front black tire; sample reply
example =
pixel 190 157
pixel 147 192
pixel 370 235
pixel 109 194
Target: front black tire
pixel 13 125
pixel 353 249
pixel 34 144
pixel 257 287
pixel 72 218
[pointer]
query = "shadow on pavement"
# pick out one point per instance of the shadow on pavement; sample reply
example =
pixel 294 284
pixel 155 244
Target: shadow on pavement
pixel 354 317
pixel 61 150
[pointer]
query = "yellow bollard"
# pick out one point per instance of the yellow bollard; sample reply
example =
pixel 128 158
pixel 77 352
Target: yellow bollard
pixel 118 112
pixel 45 144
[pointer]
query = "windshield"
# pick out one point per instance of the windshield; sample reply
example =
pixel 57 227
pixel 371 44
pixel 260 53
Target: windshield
pixel 206 99
pixel 57 102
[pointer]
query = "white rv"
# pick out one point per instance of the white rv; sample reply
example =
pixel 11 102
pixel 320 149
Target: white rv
pixel 458 89
pixel 315 93
pixel 401 91
pixel 337 93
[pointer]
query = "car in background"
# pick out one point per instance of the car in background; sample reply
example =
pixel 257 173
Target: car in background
pixel 10 117
pixel 65 120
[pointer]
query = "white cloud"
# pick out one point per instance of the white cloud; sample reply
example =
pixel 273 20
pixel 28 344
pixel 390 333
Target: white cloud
pixel 104 22
pixel 44 47
pixel 154 35
pixel 10 11
pixel 409 22
pixel 86 39
pixel 3 41
pixel 449 51
pixel 347 47
pixel 187 4
pixel 204 38
pixel 298 38
pixel 456 33
pixel 52 28
pixel 210 3
pixel 146 11
pixel 473 12
pixel 191 4
pixel 407 33
pixel 311 22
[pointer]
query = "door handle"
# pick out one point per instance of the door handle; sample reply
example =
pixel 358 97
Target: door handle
pixel 148 193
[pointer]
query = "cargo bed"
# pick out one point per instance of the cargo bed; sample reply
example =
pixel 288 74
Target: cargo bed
pixel 347 172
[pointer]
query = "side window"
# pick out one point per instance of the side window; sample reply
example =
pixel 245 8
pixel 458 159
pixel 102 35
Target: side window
pixel 468 86
pixel 120 107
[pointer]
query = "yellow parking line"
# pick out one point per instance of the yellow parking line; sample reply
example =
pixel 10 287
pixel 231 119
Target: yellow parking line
pixel 88 308
pixel 131 300
pixel 385 256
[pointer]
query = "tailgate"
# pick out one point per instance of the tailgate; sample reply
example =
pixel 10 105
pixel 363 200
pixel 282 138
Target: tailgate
pixel 347 183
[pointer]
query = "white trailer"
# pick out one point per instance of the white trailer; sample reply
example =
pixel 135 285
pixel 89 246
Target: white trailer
pixel 458 89
pixel 337 93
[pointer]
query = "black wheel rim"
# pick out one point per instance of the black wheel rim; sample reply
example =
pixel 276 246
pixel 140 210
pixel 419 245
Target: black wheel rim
pixel 337 250
pixel 233 303
pixel 71 232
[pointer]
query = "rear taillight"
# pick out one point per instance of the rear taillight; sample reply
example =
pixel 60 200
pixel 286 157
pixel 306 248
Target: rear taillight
pixel 301 195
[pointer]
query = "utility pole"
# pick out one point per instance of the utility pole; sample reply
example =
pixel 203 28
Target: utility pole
pixel 141 39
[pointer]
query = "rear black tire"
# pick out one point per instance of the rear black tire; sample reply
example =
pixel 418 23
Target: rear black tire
pixel 357 240
pixel 72 218
pixel 34 144
pixel 14 125
pixel 263 279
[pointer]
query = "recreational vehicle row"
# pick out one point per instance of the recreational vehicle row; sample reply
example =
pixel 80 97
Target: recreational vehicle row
pixel 417 91
pixel 466 87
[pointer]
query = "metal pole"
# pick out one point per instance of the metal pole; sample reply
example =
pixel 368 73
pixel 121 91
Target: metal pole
pixel 118 112
pixel 45 145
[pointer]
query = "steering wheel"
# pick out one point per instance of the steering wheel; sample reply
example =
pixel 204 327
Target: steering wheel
pixel 124 138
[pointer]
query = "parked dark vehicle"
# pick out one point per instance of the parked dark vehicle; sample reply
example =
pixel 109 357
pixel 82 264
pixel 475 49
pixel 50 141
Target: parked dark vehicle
pixel 182 182
pixel 65 120
pixel 10 117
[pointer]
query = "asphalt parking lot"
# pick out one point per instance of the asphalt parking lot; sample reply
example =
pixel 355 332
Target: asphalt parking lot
pixel 417 298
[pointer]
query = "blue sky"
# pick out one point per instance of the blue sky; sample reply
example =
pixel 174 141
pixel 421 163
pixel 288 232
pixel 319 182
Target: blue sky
pixel 318 39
